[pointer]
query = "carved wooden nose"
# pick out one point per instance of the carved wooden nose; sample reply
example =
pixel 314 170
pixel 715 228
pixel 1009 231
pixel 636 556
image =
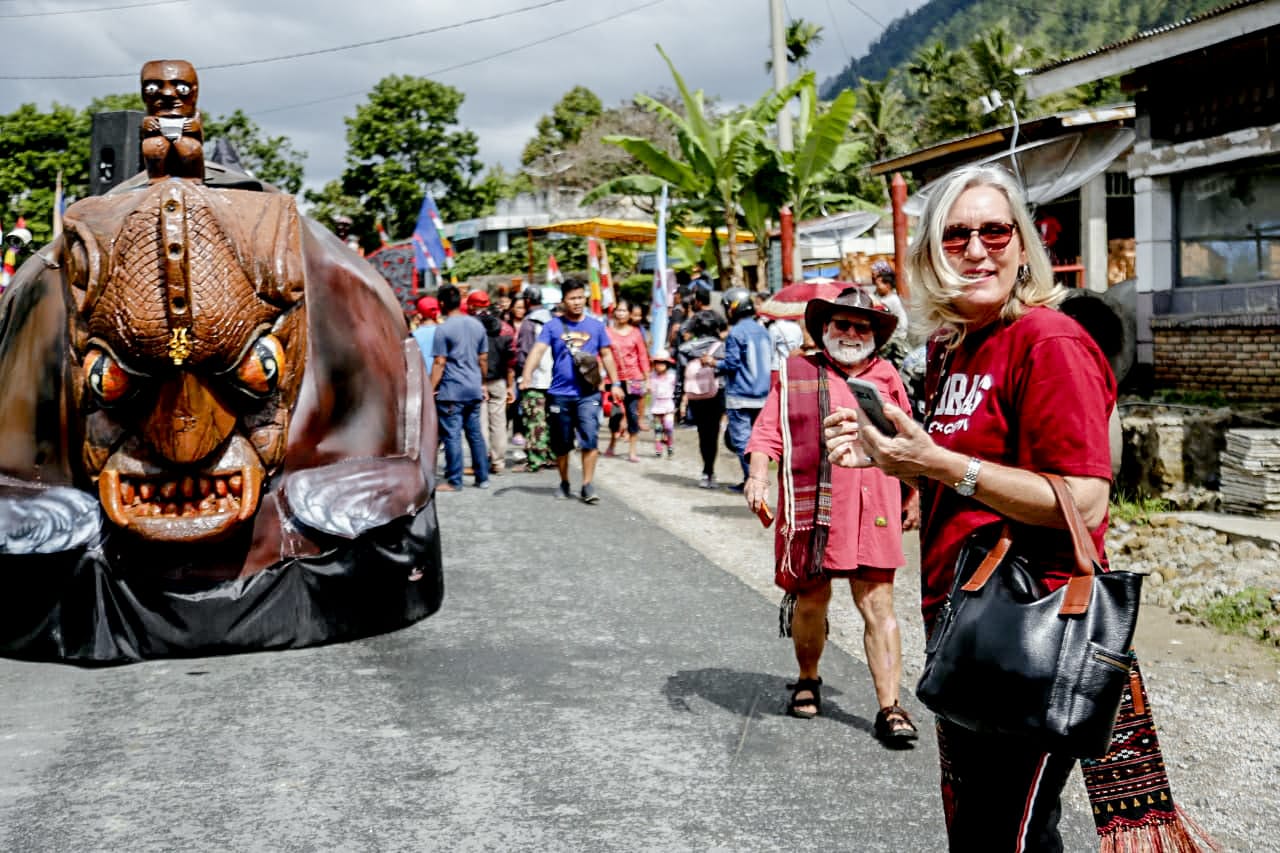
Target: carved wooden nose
pixel 188 422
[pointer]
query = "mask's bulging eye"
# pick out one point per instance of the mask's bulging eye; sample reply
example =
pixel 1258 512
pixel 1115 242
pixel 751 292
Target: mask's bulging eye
pixel 107 380
pixel 259 371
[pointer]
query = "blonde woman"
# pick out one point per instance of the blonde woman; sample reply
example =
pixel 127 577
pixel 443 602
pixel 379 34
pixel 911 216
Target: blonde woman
pixel 1013 388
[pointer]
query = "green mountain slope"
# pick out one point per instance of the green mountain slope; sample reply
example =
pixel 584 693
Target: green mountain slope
pixel 1058 27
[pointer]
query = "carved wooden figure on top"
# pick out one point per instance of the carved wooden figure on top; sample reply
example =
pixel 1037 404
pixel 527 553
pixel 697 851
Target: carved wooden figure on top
pixel 172 133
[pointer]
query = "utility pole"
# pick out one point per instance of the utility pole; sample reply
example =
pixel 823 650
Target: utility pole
pixel 778 33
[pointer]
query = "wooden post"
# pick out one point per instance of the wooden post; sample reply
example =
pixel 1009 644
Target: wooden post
pixel 786 225
pixel 898 193
pixel 528 236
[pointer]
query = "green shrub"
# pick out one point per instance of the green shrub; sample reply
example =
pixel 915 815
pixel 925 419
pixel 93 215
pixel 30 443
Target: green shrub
pixel 1249 612
pixel 1135 510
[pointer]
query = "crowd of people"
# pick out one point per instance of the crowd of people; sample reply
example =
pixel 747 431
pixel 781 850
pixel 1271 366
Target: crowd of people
pixel 512 374
pixel 1006 390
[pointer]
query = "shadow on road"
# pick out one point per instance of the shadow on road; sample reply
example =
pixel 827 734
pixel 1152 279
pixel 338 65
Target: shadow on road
pixel 545 491
pixel 745 693
pixel 724 511
pixel 673 479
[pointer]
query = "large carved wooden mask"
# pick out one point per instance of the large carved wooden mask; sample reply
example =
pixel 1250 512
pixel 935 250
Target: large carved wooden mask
pixel 188 348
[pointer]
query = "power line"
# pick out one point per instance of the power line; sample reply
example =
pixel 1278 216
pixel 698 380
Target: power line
pixel 319 51
pixel 475 61
pixel 90 11
pixel 839 36
pixel 877 21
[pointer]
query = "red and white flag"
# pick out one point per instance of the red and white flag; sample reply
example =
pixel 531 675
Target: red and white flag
pixel 606 279
pixel 553 271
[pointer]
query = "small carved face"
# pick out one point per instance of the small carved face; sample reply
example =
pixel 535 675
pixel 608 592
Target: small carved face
pixel 170 88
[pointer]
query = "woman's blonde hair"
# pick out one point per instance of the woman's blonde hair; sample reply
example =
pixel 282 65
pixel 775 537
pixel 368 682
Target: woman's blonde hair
pixel 935 286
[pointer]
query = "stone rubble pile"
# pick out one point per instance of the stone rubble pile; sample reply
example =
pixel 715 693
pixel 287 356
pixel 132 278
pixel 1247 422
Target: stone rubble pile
pixel 1189 567
pixel 1251 472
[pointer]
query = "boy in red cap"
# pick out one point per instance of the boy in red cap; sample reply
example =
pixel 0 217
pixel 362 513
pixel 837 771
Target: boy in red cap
pixel 425 332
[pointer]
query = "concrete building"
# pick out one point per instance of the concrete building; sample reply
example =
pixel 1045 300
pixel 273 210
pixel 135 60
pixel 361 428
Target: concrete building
pixel 514 216
pixel 1205 170
pixel 1072 167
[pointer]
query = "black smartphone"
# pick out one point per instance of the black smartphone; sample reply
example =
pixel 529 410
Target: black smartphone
pixel 868 397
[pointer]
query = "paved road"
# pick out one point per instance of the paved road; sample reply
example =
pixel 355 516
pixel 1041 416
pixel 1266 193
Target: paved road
pixel 615 693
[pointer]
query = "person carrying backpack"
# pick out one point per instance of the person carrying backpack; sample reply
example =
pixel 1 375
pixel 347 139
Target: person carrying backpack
pixel 499 378
pixel 746 367
pixel 703 391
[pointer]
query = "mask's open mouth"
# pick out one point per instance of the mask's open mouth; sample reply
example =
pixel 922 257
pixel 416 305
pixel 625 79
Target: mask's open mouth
pixel 182 506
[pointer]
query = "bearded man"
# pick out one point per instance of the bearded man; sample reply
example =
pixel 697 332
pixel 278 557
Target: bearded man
pixel 835 522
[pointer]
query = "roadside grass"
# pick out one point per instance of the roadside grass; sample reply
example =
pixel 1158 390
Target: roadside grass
pixel 1251 612
pixel 1207 399
pixel 1135 510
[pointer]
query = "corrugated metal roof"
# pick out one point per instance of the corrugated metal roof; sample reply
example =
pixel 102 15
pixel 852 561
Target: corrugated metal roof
pixel 1154 31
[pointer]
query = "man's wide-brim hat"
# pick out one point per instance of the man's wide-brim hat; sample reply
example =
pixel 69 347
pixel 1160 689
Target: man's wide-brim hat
pixel 852 300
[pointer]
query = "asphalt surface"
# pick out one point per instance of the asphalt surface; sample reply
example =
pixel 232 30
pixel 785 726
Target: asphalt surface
pixel 591 683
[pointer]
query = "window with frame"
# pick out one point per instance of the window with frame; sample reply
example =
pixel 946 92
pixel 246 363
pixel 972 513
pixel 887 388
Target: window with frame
pixel 1229 225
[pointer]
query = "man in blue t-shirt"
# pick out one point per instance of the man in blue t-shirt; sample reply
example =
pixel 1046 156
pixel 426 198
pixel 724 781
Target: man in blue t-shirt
pixel 460 349
pixel 573 400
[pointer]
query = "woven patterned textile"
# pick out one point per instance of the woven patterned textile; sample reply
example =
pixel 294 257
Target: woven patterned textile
pixel 1133 806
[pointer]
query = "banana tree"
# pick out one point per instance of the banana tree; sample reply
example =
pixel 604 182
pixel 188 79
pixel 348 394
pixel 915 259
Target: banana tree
pixel 718 155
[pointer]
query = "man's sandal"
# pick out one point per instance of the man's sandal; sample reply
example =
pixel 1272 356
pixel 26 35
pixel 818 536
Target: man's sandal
pixel 894 724
pixel 798 703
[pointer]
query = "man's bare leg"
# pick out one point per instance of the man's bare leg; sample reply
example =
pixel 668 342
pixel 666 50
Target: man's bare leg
pixel 809 636
pixel 589 458
pixel 881 638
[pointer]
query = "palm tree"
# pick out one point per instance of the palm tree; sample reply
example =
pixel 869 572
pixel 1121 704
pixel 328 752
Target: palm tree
pixel 882 125
pixel 801 38
pixel 930 67
pixel 993 62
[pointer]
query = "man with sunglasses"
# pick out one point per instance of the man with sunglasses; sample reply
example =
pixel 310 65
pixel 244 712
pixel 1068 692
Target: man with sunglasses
pixel 834 522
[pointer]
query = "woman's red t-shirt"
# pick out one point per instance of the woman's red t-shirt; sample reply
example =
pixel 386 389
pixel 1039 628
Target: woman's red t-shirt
pixel 1035 394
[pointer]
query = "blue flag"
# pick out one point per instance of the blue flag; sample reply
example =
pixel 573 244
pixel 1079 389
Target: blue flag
pixel 428 248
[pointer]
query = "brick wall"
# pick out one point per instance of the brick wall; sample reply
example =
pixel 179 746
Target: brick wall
pixel 1235 355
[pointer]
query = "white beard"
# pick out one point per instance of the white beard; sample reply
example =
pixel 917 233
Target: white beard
pixel 847 354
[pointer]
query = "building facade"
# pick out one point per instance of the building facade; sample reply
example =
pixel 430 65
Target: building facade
pixel 1205 169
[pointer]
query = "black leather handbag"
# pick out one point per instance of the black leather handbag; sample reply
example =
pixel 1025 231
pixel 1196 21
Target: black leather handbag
pixel 1006 658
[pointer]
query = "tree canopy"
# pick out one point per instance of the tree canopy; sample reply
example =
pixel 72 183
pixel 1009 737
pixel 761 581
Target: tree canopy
pixel 34 146
pixel 403 142
pixel 569 118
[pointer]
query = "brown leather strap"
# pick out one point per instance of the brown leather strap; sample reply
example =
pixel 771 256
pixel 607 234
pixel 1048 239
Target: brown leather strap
pixel 1080 586
pixel 988 566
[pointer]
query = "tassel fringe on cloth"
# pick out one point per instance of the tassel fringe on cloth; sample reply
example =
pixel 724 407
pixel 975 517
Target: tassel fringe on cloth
pixel 1133 806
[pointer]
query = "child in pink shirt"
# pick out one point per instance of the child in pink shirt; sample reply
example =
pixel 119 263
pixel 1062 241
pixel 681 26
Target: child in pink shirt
pixel 662 387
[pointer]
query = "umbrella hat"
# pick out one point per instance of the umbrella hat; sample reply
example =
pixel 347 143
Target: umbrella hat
pixel 789 302
pixel 852 300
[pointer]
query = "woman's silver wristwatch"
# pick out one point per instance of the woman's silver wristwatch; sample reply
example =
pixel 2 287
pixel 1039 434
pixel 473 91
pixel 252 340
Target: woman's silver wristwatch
pixel 969 482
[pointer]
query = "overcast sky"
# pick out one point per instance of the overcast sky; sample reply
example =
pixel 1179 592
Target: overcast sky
pixel 719 46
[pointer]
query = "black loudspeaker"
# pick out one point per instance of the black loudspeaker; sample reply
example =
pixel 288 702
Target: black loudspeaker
pixel 116 154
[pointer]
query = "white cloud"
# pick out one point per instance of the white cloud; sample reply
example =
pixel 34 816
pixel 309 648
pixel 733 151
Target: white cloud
pixel 719 46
